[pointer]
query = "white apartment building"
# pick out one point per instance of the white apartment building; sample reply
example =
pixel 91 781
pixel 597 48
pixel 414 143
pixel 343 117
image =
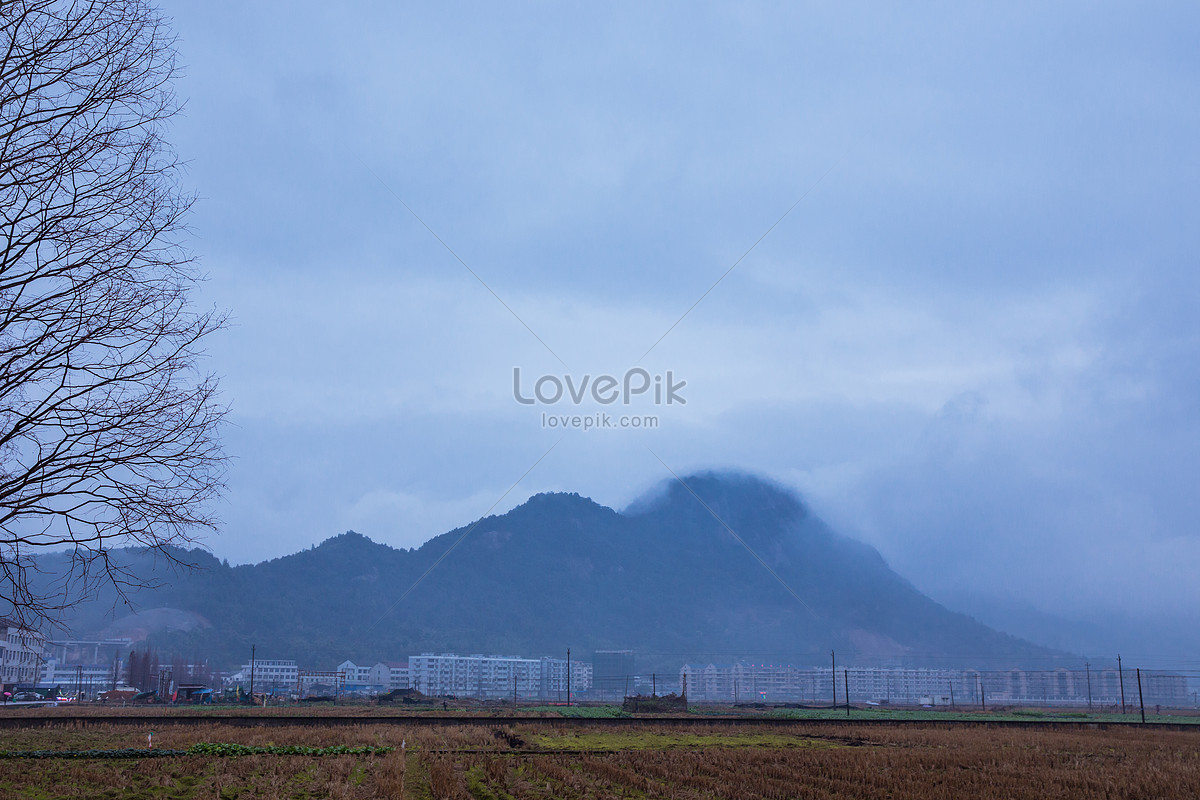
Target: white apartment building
pixel 496 676
pixel 269 675
pixel 397 675
pixel 21 651
pixel 554 677
pixel 745 682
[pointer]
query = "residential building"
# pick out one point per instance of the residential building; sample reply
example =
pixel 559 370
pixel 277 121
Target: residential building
pixel 553 684
pixel 496 676
pixel 398 675
pixel 744 682
pixel 21 651
pixel 381 677
pixel 270 675
pixel 363 679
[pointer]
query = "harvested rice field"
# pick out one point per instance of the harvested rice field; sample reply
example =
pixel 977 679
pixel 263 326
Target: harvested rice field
pixel 541 759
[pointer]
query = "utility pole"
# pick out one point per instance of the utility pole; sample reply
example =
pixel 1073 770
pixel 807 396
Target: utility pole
pixel 833 675
pixel 253 648
pixel 1140 701
pixel 951 695
pixel 982 699
pixel 568 676
pixel 1121 676
pixel 1087 665
pixel 653 684
pixel 846 675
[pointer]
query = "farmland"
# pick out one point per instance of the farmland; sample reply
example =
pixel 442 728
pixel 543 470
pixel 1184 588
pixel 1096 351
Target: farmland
pixel 635 758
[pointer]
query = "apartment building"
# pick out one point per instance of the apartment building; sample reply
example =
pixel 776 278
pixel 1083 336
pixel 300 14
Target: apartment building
pixel 269 675
pixel 746 682
pixel 398 675
pixel 21 650
pixel 496 676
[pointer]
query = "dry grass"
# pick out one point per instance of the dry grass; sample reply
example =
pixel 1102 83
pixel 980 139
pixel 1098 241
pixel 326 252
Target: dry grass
pixel 536 760
pixel 925 763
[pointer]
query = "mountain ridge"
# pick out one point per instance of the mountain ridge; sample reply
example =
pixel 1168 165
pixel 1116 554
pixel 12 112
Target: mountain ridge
pixel 713 567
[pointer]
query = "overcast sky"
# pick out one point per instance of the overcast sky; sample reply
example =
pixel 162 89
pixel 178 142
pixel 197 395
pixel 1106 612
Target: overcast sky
pixel 973 341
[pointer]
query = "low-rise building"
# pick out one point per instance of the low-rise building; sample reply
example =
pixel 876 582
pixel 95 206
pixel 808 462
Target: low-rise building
pixel 363 679
pixel 380 677
pixel 88 680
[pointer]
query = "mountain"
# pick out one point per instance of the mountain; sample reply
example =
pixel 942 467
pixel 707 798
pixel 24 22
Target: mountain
pixel 729 567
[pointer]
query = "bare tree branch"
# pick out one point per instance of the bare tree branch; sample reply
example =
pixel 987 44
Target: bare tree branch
pixel 108 428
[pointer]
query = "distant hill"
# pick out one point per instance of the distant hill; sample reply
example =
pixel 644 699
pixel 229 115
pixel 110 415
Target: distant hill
pixel 664 578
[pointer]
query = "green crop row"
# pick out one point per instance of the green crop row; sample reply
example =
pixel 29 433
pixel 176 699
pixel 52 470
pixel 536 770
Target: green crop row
pixel 219 749
pixel 126 752
pixel 223 749
pixel 586 712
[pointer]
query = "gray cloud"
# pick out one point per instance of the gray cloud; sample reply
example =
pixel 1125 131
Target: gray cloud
pixel 973 344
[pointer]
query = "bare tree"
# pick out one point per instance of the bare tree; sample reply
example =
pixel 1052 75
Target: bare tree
pixel 108 430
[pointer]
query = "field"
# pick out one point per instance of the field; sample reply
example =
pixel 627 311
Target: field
pixel 548 759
